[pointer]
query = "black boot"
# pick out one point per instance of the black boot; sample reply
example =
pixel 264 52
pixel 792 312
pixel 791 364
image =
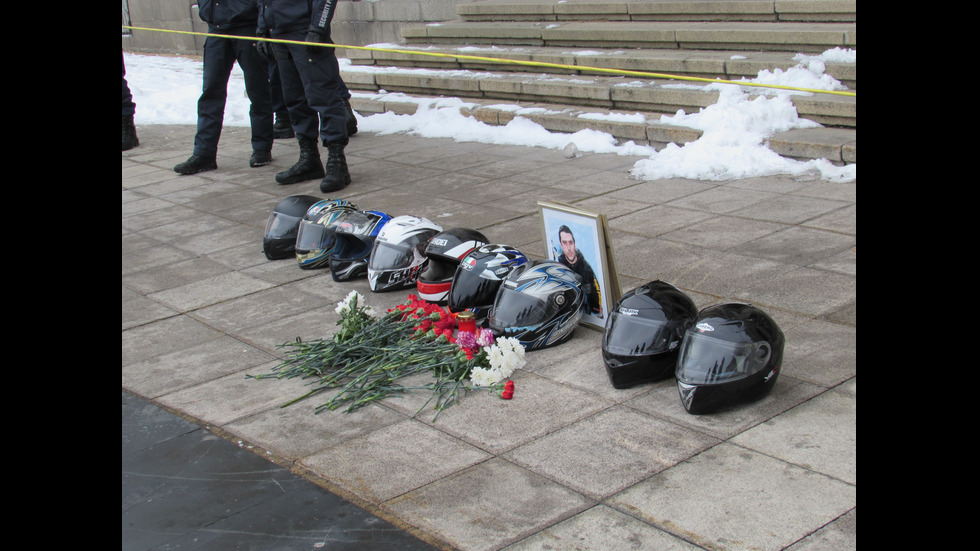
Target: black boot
pixel 283 127
pixel 195 164
pixel 129 139
pixel 259 158
pixel 351 119
pixel 337 176
pixel 307 167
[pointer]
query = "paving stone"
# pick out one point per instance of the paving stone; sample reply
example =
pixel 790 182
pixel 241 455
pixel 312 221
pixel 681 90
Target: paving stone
pixel 488 505
pixel 737 499
pixel 213 290
pixel 393 460
pixel 191 366
pixel 798 436
pixel 602 527
pixel 632 446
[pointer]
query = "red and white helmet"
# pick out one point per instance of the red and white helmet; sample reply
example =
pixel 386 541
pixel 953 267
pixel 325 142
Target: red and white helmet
pixel 444 252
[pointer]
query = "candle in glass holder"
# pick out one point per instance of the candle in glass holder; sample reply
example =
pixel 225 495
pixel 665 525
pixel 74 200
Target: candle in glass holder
pixel 465 322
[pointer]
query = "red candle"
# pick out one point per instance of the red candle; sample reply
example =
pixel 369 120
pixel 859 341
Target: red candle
pixel 465 322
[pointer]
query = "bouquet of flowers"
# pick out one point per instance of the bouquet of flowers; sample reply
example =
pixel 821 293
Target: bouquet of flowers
pixel 367 356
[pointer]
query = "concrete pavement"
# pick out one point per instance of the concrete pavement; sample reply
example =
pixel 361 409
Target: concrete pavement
pixel 570 462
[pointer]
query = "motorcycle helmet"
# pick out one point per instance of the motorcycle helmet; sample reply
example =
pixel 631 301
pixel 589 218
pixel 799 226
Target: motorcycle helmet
pixel 539 304
pixel 282 225
pixel 317 234
pixel 478 277
pixel 643 333
pixel 731 354
pixel 444 252
pixel 356 233
pixel 398 254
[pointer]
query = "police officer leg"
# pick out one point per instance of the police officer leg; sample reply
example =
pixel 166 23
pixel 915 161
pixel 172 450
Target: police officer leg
pixel 324 96
pixel 256 70
pixel 304 119
pixel 218 60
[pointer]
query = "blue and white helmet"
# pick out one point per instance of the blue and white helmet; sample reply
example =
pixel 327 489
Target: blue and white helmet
pixel 398 254
pixel 539 304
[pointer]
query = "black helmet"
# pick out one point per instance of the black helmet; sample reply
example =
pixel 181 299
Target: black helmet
pixel 478 277
pixel 731 354
pixel 444 252
pixel 280 229
pixel 356 232
pixel 538 304
pixel 317 236
pixel 643 333
pixel 399 252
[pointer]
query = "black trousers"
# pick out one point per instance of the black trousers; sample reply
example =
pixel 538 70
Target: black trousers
pixel 313 90
pixel 220 55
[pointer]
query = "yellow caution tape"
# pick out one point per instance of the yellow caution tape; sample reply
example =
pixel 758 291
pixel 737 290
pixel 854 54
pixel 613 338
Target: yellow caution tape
pixel 509 61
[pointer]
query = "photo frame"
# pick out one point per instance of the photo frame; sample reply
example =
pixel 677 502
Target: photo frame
pixel 585 233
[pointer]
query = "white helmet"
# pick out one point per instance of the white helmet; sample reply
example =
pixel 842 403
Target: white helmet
pixel 399 252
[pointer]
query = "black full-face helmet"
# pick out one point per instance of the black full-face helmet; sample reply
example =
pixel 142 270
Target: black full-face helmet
pixel 730 355
pixel 356 232
pixel 643 333
pixel 398 255
pixel 478 277
pixel 444 252
pixel 282 226
pixel 538 304
pixel 317 232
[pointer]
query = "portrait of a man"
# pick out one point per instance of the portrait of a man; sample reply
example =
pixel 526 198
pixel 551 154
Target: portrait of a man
pixel 572 257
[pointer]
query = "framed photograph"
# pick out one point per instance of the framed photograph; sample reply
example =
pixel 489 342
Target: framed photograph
pixel 578 239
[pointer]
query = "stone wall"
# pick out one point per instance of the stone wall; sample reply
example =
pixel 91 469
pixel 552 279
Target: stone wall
pixel 356 22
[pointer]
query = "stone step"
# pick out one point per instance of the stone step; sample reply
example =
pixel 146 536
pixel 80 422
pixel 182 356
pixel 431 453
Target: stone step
pixel 662 10
pixel 777 36
pixel 837 145
pixel 725 65
pixel 654 96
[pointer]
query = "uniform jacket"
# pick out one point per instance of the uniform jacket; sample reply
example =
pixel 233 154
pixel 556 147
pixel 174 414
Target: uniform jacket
pixel 222 15
pixel 286 16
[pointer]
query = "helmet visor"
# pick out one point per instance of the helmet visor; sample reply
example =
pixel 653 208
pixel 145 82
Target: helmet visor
pixel 281 225
pixel 637 336
pixel 350 247
pixel 515 310
pixel 707 360
pixel 389 256
pixel 314 236
pixel 470 290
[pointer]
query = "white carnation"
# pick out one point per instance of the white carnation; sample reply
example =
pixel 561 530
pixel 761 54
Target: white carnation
pixel 506 356
pixel 484 377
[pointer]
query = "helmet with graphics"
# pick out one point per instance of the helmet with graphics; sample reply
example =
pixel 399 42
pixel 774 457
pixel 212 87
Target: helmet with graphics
pixel 538 304
pixel 478 277
pixel 444 252
pixel 317 233
pixel 398 254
